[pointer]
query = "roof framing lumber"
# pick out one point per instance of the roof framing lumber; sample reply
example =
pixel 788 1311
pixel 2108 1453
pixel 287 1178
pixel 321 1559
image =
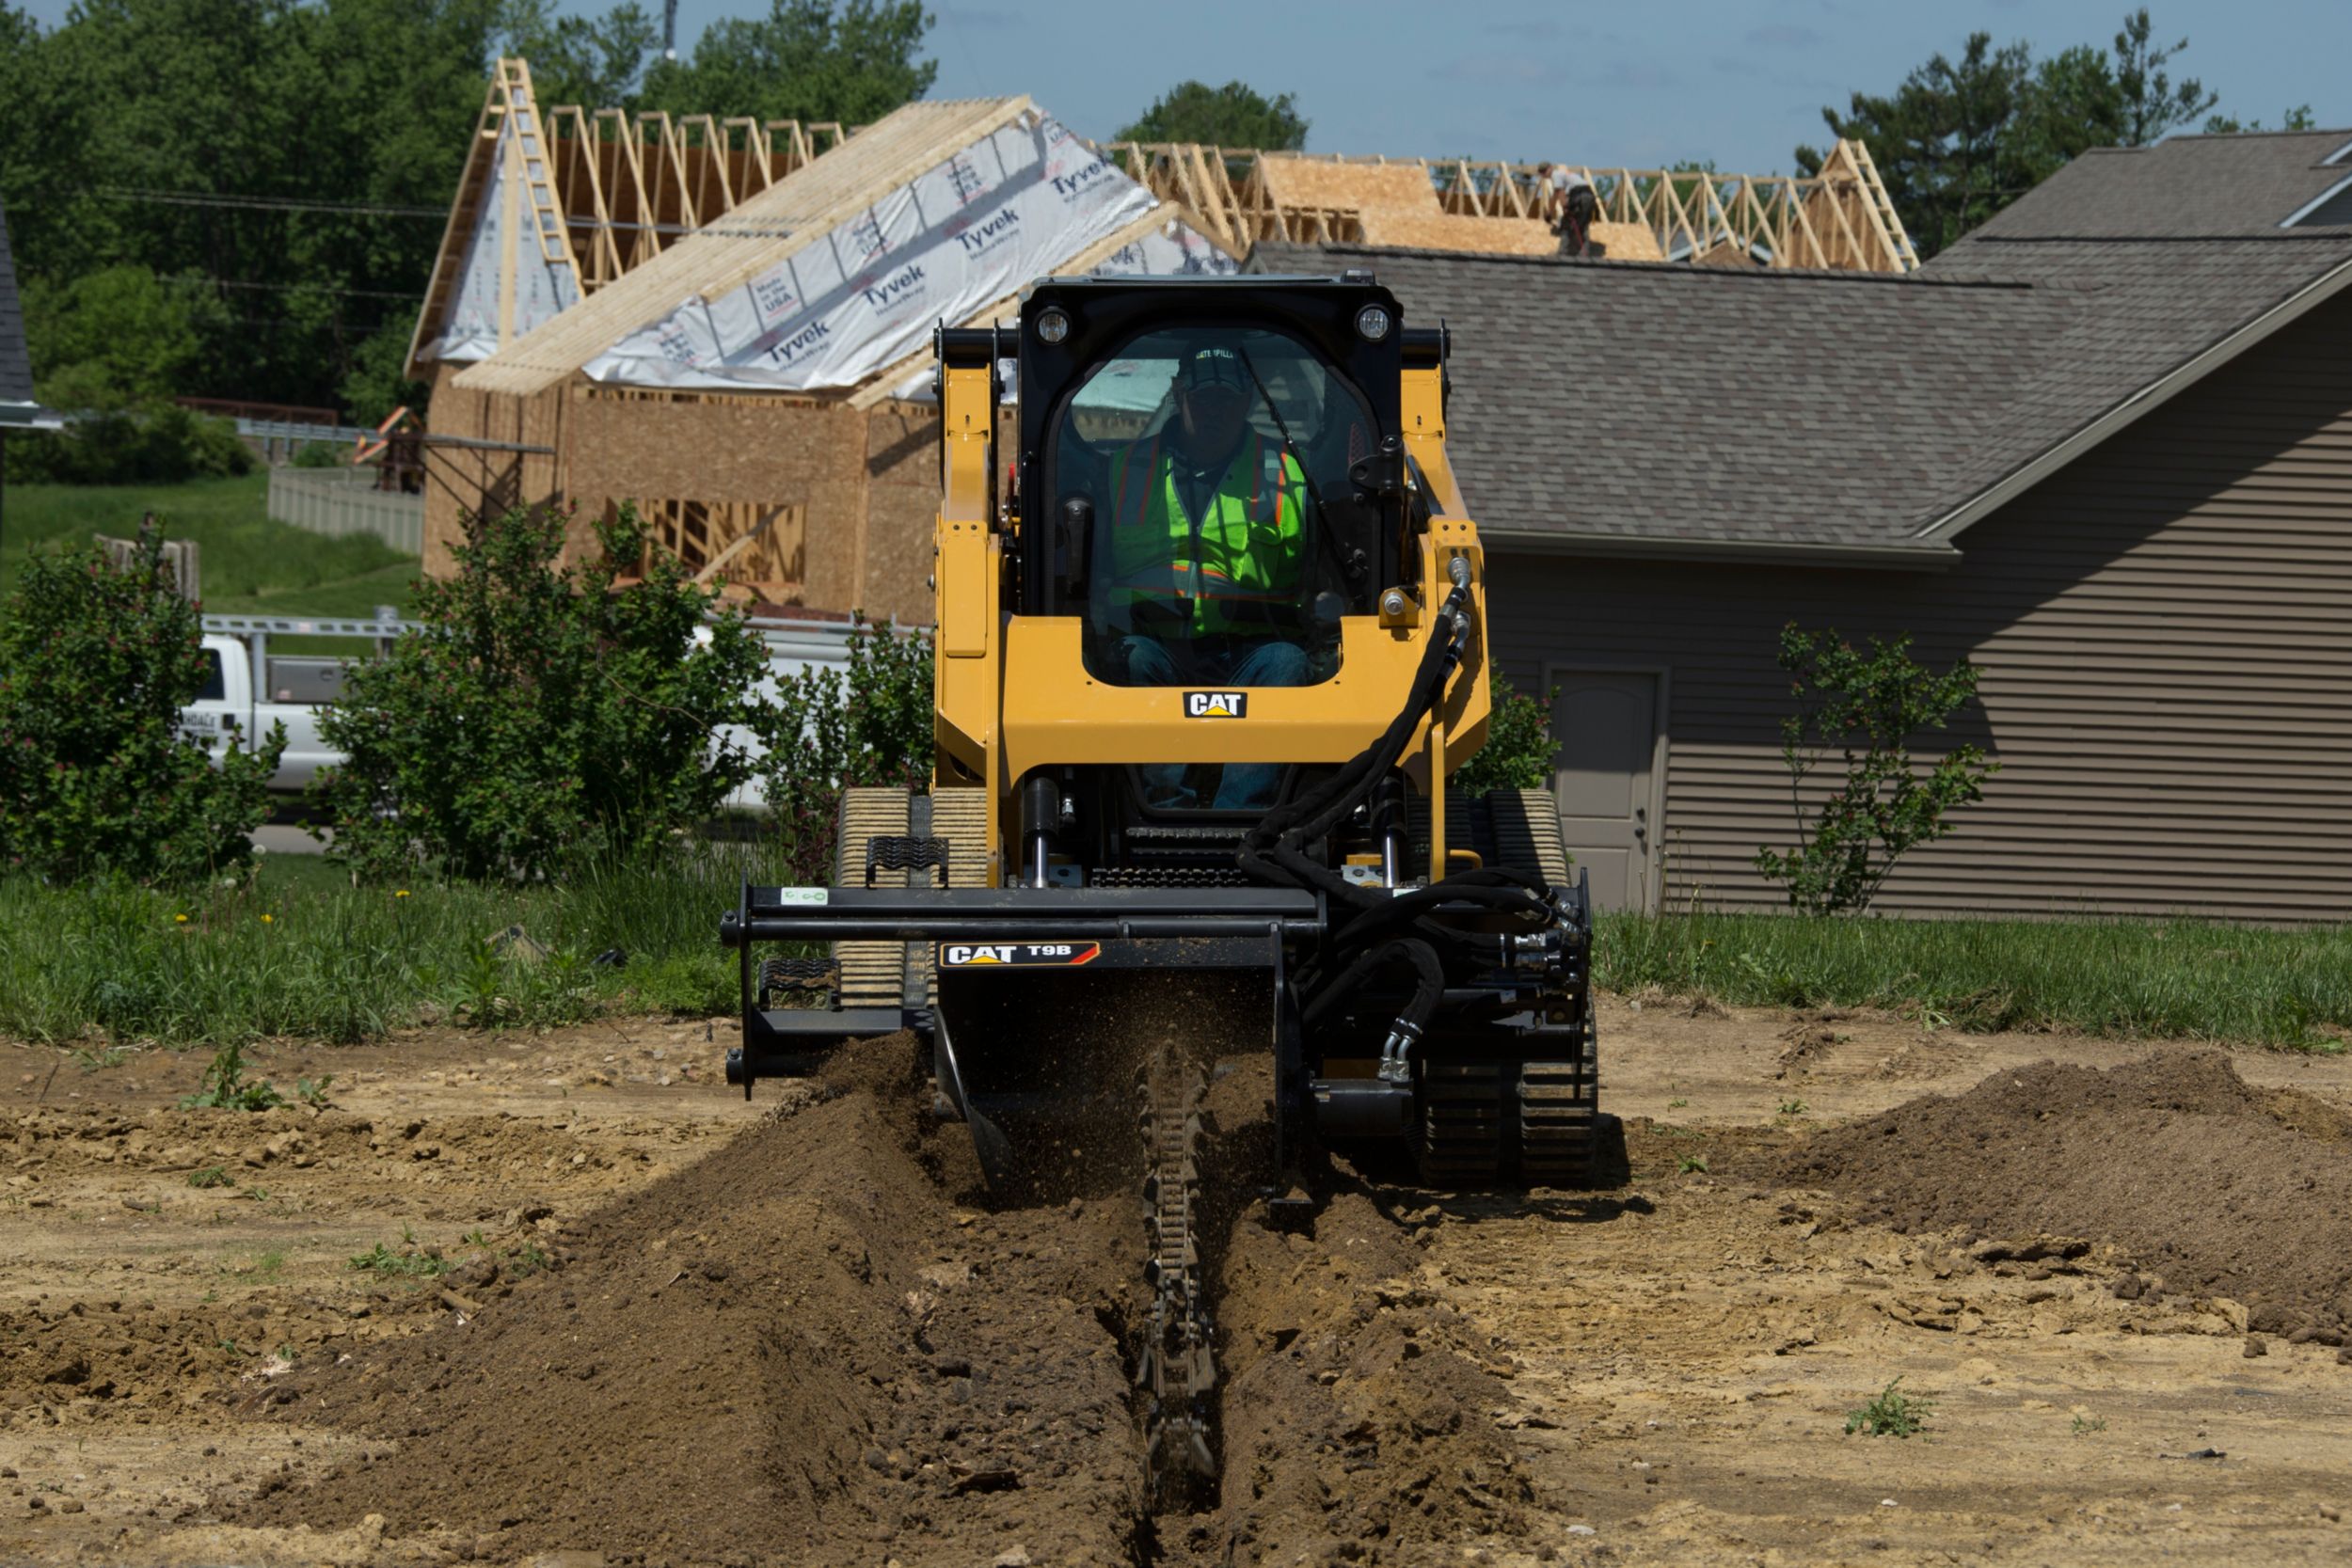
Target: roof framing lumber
pixel 1839 219
pixel 756 234
pixel 609 191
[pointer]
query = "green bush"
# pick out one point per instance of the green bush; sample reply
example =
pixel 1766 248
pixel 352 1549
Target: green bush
pixel 871 726
pixel 110 348
pixel 540 713
pixel 319 455
pixel 137 442
pixel 1520 748
pixel 1866 708
pixel 95 776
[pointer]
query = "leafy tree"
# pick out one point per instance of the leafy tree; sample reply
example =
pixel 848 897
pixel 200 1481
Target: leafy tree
pixel 574 59
pixel 540 712
pixel 1940 139
pixel 292 162
pixel 2152 101
pixel 378 380
pixel 117 335
pixel 847 60
pixel 1232 116
pixel 871 726
pixel 111 346
pixel 1520 748
pixel 2297 118
pixel 95 777
pixel 1866 708
pixel 1960 139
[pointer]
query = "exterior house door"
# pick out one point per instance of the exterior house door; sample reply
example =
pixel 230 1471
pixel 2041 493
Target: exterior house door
pixel 1607 724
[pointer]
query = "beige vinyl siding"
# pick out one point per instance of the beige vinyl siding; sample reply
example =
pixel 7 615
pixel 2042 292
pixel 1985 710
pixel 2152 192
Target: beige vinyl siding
pixel 2165 634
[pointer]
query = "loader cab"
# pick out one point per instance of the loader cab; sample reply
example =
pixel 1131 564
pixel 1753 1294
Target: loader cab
pixel 1208 471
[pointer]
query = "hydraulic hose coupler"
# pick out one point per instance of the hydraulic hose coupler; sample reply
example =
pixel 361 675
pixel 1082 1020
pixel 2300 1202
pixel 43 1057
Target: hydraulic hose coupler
pixel 1395 1052
pixel 1538 954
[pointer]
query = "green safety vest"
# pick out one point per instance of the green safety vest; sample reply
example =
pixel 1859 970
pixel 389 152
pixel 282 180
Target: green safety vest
pixel 1220 569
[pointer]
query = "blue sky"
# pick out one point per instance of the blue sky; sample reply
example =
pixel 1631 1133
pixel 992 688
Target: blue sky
pixel 1637 81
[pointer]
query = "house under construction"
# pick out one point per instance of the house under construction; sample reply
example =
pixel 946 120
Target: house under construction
pixel 727 322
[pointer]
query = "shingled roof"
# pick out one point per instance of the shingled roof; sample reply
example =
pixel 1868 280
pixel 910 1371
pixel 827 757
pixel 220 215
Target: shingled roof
pixel 1638 409
pixel 2189 185
pixel 17 407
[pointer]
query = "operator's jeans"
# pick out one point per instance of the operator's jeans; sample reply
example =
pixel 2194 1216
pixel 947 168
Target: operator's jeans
pixel 1266 661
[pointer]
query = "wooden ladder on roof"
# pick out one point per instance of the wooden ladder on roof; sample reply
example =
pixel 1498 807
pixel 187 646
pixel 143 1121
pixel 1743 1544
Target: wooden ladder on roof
pixel 530 159
pixel 1890 223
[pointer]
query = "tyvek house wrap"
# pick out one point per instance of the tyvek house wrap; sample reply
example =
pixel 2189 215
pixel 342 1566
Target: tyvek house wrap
pixel 542 288
pixel 867 292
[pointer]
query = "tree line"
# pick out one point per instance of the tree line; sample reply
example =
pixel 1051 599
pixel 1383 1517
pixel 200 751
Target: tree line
pixel 1960 139
pixel 243 198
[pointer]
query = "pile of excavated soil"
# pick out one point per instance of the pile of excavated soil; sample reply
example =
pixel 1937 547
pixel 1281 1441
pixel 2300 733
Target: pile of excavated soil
pixel 792 1352
pixel 826 1344
pixel 2210 1185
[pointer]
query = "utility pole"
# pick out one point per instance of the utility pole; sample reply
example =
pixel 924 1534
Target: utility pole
pixel 669 30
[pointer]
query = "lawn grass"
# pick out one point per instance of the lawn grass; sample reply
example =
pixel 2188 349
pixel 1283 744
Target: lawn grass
pixel 246 562
pixel 298 951
pixel 2182 979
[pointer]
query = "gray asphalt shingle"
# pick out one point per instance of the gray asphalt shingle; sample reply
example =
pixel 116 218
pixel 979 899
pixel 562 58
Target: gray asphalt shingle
pixel 2185 185
pixel 1643 402
pixel 16 370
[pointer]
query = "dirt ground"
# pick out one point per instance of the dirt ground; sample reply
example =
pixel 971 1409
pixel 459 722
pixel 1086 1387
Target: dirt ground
pixel 612 1313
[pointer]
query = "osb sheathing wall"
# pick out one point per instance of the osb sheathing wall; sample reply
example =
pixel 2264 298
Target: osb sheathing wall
pixel 460 480
pixel 868 480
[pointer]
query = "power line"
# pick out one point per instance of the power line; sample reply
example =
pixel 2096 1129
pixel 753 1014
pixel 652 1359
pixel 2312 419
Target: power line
pixel 204 282
pixel 263 203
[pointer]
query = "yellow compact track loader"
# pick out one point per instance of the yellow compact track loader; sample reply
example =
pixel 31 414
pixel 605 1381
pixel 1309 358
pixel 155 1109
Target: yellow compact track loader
pixel 1210 643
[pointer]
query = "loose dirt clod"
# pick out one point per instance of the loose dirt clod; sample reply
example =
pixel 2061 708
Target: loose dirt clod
pixel 2210 1185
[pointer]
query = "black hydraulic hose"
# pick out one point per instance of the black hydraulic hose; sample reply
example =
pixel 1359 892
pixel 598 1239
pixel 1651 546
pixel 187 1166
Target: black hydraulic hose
pixel 1319 813
pixel 1429 980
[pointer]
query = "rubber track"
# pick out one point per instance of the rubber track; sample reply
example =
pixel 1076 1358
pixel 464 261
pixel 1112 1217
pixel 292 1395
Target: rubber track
pixel 1496 1121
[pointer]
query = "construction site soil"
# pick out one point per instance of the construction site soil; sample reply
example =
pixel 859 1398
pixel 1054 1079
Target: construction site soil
pixel 560 1299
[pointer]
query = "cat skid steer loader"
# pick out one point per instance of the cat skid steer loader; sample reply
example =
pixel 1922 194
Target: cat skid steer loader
pixel 1198 694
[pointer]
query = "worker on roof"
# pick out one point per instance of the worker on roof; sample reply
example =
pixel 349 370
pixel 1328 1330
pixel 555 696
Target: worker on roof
pixel 1206 538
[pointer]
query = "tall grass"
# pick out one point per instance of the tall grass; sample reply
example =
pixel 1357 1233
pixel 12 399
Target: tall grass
pixel 2179 979
pixel 301 952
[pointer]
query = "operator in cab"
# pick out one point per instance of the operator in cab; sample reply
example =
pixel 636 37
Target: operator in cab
pixel 1207 543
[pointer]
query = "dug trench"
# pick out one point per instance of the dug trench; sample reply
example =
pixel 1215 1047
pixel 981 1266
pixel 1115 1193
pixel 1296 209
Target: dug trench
pixel 825 1345
pixel 676 1328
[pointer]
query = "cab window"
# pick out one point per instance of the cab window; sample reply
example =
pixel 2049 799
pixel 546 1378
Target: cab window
pixel 1200 493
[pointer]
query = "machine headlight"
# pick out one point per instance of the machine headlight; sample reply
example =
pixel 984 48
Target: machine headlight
pixel 1052 324
pixel 1374 322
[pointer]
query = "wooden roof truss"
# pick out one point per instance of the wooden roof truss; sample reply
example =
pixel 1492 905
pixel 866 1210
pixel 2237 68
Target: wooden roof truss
pixel 606 190
pixel 1840 218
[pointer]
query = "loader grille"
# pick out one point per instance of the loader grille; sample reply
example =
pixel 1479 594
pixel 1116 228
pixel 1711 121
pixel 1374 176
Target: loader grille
pixel 1167 875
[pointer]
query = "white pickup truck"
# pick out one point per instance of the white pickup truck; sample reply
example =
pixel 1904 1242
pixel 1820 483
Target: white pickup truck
pixel 235 710
pixel 229 713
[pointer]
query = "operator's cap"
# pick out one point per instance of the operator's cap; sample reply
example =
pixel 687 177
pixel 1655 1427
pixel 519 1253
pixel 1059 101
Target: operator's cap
pixel 1205 368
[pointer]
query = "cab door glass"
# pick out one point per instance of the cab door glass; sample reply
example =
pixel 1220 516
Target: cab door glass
pixel 1207 528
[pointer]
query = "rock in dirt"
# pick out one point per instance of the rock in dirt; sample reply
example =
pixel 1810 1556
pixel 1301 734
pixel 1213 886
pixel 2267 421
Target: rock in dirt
pixel 2220 1188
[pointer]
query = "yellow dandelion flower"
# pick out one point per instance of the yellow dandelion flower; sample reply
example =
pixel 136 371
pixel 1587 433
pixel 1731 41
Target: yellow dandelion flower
pixel 402 894
pixel 269 919
pixel 179 919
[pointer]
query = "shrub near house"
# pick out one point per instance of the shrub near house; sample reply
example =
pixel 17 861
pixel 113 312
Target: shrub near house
pixel 541 712
pixel 95 776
